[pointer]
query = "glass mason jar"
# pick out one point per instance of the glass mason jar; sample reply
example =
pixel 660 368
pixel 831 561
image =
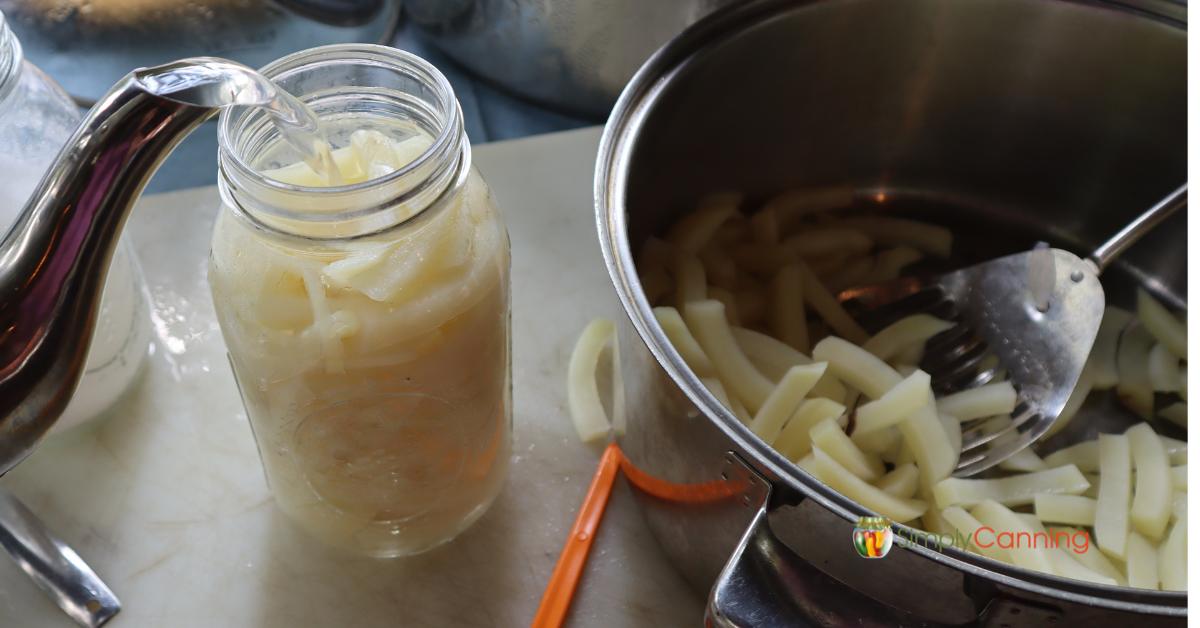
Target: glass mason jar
pixel 367 323
pixel 36 119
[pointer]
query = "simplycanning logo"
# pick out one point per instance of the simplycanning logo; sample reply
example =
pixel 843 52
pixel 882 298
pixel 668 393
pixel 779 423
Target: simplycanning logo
pixel 873 537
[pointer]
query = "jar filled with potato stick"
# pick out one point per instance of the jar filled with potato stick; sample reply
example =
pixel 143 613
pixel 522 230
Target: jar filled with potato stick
pixel 367 312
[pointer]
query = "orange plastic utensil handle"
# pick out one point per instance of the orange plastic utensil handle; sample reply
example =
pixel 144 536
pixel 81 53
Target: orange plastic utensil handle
pixel 561 588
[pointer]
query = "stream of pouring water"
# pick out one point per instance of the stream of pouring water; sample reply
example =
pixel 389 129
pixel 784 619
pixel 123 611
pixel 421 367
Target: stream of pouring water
pixel 212 82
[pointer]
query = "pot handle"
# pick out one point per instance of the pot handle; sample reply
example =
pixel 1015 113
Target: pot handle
pixel 765 584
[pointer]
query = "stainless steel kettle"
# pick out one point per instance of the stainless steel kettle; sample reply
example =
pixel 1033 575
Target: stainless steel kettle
pixel 54 259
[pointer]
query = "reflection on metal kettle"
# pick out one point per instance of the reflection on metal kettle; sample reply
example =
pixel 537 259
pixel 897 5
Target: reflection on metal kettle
pixel 54 259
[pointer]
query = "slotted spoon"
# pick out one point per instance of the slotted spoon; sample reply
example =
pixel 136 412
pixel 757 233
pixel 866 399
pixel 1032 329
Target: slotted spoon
pixel 1032 315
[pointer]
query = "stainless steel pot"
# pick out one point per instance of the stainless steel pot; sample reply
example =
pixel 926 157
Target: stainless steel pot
pixel 573 55
pixel 1047 117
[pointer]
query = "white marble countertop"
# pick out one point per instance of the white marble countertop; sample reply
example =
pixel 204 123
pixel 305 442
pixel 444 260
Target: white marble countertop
pixel 165 498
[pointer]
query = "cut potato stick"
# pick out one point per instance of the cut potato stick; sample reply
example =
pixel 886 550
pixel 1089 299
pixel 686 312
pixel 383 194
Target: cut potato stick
pixel 829 438
pixel 740 411
pixel 1064 561
pixel 932 239
pixel 932 519
pixel 681 338
pixel 720 269
pixel 1024 461
pixel 1161 324
pixel 1163 369
pixel 762 259
pixel 617 380
pixel 691 284
pixel 911 356
pixel 1179 477
pixel 692 232
pixel 828 308
pixel 1004 521
pixel 734 230
pixel 878 442
pixel 1176 413
pixel 923 433
pixel 726 298
pixel 1087 553
pixel 1085 455
pixel 794 204
pixel 752 305
pixel 1152 492
pixel 771 356
pixel 843 481
pixel 1133 376
pixel 1067 566
pixel 1179 505
pixel 953 431
pixel 717 389
pixel 787 318
pixel 824 242
pixel 904 333
pixel 890 263
pixel 830 388
pixel 784 399
pixel 897 404
pixel 1183 382
pixel 1112 501
pixel 706 320
pixel 1172 558
pixel 853 365
pixel 583 396
pixel 1102 361
pixel 656 284
pixel 968 526
pixel 1141 563
pixel 795 440
pixel 1176 449
pixel 826 267
pixel 1069 509
pixel 1013 490
pixel 900 482
pixel 856 272
pixel 995 399
pixel 765 225
pixel 655 253
pixel 926 437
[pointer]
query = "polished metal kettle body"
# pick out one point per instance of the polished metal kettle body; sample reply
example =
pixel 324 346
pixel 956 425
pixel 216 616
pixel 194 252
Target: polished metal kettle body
pixel 55 257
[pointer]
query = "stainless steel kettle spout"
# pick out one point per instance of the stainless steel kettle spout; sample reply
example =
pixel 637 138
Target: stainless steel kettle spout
pixel 54 259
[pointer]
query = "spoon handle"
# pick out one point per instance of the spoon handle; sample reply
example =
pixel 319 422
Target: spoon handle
pixel 54 566
pixel 1123 239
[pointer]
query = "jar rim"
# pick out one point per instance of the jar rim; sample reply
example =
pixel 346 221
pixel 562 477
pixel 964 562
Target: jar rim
pixel 449 136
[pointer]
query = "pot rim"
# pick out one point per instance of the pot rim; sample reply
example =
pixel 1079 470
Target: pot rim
pixel 624 125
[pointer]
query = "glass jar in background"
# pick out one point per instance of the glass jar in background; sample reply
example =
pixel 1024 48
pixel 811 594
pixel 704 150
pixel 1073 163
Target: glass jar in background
pixel 367 323
pixel 36 119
